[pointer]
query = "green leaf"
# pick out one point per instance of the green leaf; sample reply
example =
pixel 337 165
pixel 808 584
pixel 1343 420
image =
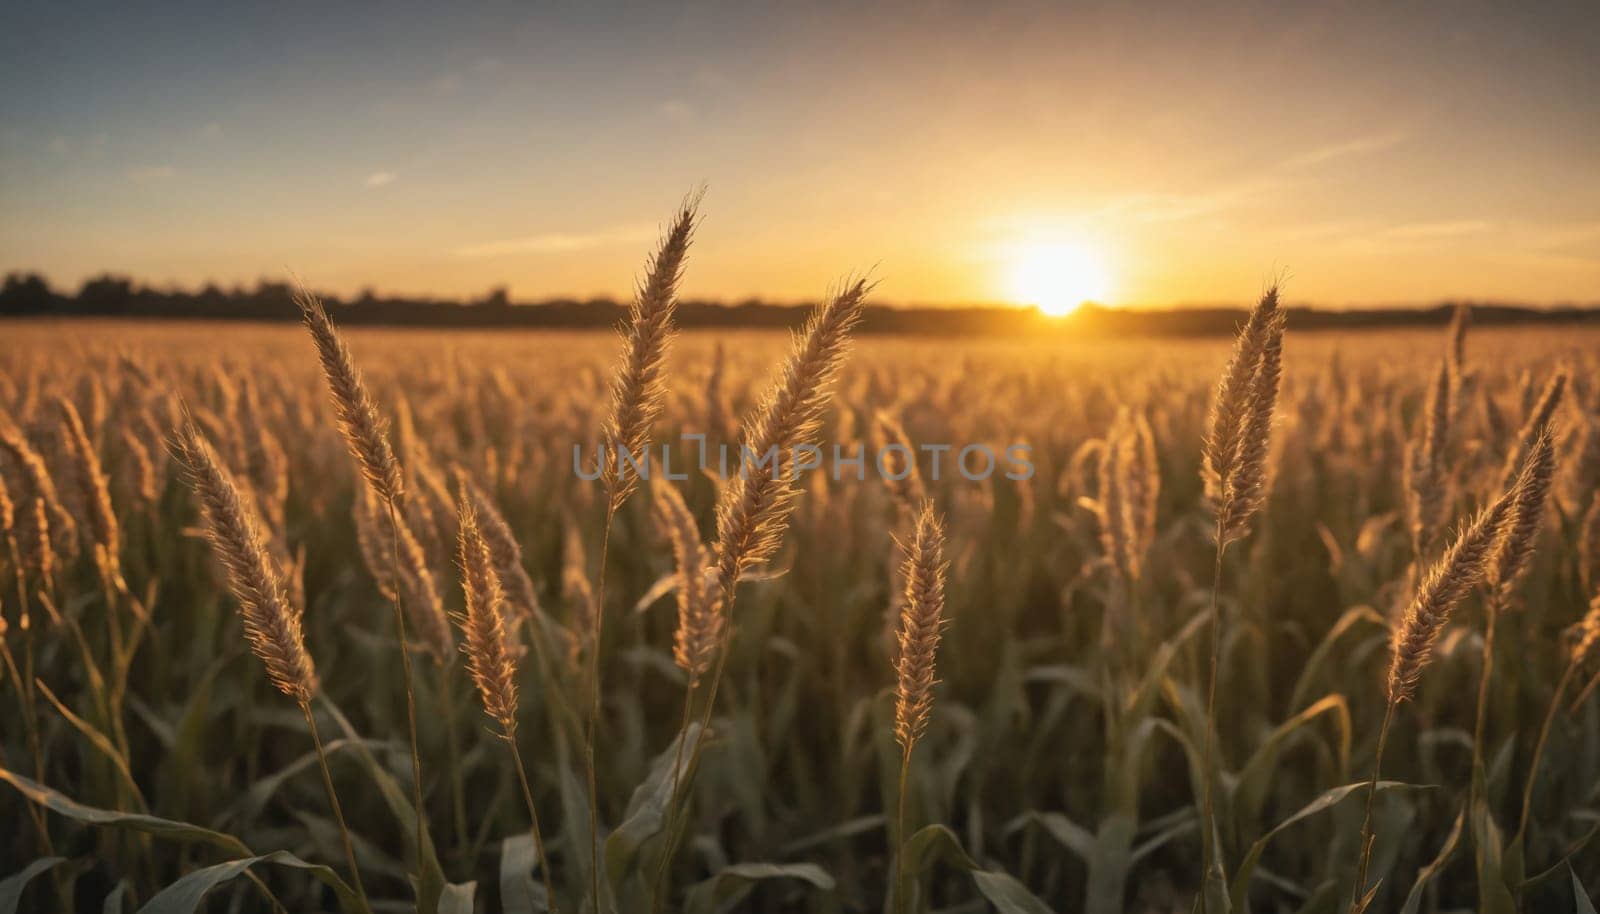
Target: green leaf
pixel 97 739
pixel 1325 899
pixel 1069 834
pixel 185 895
pixel 1428 873
pixel 1139 702
pixel 731 884
pixel 11 887
pixel 849 829
pixel 1565 860
pixel 520 893
pixel 114 901
pixel 1239 890
pixel 1007 894
pixel 457 898
pixel 1159 839
pixel 1255 778
pixel 432 882
pixel 249 806
pixel 1319 656
pixel 646 813
pixel 932 843
pixel 929 845
pixel 150 825
pixel 1580 898
pixel 1109 864
pixel 1494 897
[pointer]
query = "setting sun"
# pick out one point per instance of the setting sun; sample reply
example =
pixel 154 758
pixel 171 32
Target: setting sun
pixel 1058 277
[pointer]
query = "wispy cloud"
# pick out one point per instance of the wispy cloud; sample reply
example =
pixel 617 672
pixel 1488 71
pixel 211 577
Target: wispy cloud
pixel 447 84
pixel 1363 145
pixel 1451 229
pixel 1414 237
pixel 146 174
pixel 382 178
pixel 1183 207
pixel 676 110
pixel 1564 236
pixel 559 242
pixel 1180 207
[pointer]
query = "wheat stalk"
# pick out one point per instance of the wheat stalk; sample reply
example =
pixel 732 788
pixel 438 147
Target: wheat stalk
pixel 8 508
pixel 1461 568
pixel 504 551
pixel 1425 478
pixel 699 612
pixel 1111 511
pixel 921 624
pixel 1460 321
pixel 1507 561
pixel 1539 416
pixel 637 395
pixel 1140 473
pixel 1233 470
pixel 1589 543
pixel 366 435
pixel 62 527
pixel 33 538
pixel 753 508
pixel 1581 655
pixel 489 658
pixel 91 478
pixel 901 476
pixel 271 622
pixel 1513 549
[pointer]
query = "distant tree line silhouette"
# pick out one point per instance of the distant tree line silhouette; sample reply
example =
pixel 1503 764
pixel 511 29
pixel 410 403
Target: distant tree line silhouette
pixel 26 294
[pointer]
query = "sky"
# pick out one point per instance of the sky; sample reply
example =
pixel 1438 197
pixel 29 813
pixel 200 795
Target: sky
pixel 1135 153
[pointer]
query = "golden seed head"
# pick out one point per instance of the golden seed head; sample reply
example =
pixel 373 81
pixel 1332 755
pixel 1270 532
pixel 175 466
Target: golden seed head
pixel 921 624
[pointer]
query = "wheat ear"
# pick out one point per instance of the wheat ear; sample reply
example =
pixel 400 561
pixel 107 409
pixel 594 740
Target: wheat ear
pixel 637 389
pixel 921 624
pixel 489 658
pixel 271 624
pixel 504 551
pixel 1539 416
pixel 33 539
pixel 1513 549
pixel 62 527
pixel 1425 478
pixel 699 611
pixel 754 508
pixel 93 482
pixel 364 429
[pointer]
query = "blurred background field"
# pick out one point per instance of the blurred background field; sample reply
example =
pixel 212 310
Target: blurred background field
pixel 1020 760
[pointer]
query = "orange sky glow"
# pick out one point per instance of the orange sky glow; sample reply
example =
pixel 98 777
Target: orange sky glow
pixel 1026 154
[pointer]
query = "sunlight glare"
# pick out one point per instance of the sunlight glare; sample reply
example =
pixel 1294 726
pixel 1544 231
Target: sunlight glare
pixel 1058 277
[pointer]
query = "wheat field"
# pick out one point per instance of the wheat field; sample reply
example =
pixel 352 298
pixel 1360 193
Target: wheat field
pixel 707 694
